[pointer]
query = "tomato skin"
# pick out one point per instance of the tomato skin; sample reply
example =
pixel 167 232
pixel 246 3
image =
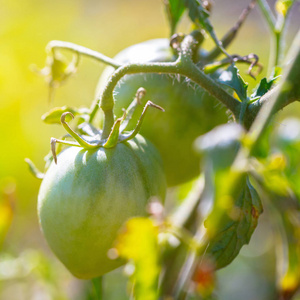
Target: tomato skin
pixel 189 110
pixel 84 200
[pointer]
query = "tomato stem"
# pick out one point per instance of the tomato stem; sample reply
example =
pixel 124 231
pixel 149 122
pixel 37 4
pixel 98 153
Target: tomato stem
pixel 82 51
pixel 184 65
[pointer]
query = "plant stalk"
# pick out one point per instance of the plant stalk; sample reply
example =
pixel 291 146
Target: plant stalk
pixel 182 66
pixel 82 51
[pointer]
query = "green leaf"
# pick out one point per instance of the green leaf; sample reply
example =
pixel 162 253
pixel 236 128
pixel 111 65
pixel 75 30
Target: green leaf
pixel 53 116
pixel 235 205
pixel 232 79
pixel 138 243
pixel 198 14
pixel 200 17
pixel 263 87
pixel 233 218
pixel 175 9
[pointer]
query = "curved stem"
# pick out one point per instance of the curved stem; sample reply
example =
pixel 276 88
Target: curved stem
pixel 53 142
pixel 186 68
pixel 108 121
pixel 83 51
pixel 133 133
pixel 183 66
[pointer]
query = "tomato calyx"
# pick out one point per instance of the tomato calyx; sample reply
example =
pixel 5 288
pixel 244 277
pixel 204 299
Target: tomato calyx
pixel 118 134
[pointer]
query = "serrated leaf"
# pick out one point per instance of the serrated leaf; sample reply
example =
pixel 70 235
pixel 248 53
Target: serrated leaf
pixel 175 9
pixel 235 205
pixel 138 243
pixel 232 79
pixel 233 218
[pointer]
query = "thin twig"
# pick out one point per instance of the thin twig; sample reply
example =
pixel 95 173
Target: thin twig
pixel 231 34
pixel 83 51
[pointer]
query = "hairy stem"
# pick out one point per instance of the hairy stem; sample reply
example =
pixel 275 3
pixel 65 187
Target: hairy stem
pixel 186 68
pixel 182 66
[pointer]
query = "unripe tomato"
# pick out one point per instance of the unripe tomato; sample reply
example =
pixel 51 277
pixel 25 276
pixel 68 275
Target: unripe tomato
pixel 189 110
pixel 84 200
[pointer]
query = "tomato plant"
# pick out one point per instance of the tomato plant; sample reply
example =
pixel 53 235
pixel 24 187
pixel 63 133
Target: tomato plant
pixel 189 110
pixel 107 176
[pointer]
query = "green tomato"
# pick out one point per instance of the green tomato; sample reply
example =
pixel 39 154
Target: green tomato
pixel 84 200
pixel 189 110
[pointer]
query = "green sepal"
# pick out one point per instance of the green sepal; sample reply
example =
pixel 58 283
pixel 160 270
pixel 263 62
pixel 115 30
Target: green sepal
pixel 129 113
pixel 114 134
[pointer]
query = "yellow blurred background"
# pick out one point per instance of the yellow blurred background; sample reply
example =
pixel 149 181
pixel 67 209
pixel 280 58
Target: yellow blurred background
pixel 106 26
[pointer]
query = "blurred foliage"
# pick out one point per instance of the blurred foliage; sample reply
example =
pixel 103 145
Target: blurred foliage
pixel 138 243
